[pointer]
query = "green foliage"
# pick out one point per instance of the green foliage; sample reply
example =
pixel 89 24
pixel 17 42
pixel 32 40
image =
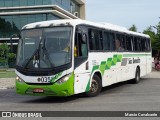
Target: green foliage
pixel 133 28
pixel 5 56
pixel 3 61
pixel 149 31
pixel 11 56
pixel 155 36
pixel 4 50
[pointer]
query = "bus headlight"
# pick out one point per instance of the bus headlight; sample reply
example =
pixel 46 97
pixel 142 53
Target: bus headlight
pixel 19 79
pixel 64 79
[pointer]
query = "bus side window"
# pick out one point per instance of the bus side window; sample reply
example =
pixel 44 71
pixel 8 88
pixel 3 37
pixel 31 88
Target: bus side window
pixel 135 44
pixel 112 41
pixel 128 43
pixel 143 44
pixel 123 41
pixel 80 48
pixel 106 41
pixel 95 39
pixel 84 45
pixel 120 42
pixel 148 46
pixel 140 45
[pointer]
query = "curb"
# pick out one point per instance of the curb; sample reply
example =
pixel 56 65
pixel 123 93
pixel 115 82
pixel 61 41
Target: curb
pixel 5 88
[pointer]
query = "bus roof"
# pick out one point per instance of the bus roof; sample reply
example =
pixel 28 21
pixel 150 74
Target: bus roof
pixel 74 22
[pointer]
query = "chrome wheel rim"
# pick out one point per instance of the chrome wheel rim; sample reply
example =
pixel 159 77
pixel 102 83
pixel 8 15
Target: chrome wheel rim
pixel 94 86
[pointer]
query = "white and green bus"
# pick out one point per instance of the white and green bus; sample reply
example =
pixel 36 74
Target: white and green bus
pixel 67 57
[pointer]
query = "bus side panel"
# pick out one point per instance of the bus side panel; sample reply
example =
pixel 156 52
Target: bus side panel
pixel 149 63
pixel 127 67
pixel 107 78
pixel 82 77
pixel 109 64
pixel 143 65
pixel 131 69
pixel 124 72
pixel 81 82
pixel 135 60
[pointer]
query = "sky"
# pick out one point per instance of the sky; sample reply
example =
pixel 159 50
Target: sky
pixel 142 13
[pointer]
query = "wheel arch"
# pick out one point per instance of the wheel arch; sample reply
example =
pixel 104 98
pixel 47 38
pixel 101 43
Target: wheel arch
pixel 98 73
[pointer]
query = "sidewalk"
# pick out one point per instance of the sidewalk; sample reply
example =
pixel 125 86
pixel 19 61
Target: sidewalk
pixel 153 74
pixel 9 83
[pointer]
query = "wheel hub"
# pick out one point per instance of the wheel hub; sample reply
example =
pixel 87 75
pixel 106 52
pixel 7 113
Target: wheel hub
pixel 94 86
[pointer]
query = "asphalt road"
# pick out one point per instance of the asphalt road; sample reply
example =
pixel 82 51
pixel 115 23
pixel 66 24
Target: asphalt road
pixel 144 96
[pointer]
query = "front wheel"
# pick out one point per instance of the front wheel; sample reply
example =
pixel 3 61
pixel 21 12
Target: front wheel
pixel 96 86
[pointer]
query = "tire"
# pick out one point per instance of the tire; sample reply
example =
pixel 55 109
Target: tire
pixel 137 77
pixel 96 87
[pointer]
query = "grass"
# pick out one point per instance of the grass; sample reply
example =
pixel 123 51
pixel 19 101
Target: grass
pixel 7 74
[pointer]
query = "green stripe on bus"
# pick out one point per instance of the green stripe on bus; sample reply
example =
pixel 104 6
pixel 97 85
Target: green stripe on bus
pixel 105 65
pixel 102 66
pixel 136 55
pixel 57 76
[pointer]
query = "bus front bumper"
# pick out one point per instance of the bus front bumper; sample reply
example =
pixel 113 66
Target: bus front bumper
pixel 64 89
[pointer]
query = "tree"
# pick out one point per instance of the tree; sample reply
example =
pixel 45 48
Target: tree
pixel 7 28
pixel 4 49
pixel 149 31
pixel 6 57
pixel 15 29
pixel 155 36
pixel 133 28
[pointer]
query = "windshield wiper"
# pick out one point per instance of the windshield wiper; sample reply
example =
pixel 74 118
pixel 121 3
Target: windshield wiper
pixel 47 55
pixel 27 61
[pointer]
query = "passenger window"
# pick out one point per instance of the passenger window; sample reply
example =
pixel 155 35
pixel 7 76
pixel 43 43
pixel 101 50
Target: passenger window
pixel 143 45
pixel 123 42
pixel 129 43
pixel 95 40
pixel 139 44
pixel 135 44
pixel 106 41
pixel 112 41
pixel 148 48
pixel 120 42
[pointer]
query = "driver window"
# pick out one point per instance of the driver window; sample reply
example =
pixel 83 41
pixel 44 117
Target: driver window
pixel 80 49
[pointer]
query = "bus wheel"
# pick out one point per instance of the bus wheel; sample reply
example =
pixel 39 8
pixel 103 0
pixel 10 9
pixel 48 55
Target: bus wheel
pixel 96 87
pixel 137 76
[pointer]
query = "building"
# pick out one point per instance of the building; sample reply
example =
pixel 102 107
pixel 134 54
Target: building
pixel 16 13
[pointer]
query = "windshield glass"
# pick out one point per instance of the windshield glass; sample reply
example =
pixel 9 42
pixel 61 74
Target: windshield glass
pixel 45 48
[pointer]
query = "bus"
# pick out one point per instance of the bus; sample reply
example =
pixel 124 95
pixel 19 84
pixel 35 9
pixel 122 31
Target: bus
pixel 68 57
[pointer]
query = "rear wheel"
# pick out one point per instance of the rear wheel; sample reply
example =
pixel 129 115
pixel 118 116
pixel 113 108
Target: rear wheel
pixel 96 86
pixel 137 76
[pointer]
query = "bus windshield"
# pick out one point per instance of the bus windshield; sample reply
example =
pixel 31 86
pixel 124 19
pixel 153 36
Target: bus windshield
pixel 44 47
